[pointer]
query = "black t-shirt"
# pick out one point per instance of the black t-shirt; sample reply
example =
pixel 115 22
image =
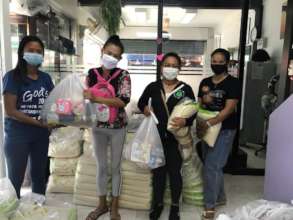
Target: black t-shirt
pixel 229 88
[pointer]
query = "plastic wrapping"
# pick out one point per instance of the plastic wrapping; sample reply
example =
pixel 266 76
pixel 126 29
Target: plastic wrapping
pixel 60 184
pixel 134 121
pixel 213 132
pixel 192 191
pixel 28 211
pixel 8 199
pixel 65 143
pixel 67 106
pixel 262 210
pixel 63 167
pixel 146 148
pixel 186 108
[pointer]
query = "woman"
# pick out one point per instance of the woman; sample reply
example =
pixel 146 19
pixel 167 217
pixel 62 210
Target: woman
pixel 221 93
pixel 110 133
pixel 25 89
pixel 165 95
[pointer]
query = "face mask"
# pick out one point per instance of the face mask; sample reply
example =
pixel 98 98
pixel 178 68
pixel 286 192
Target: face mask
pixel 109 62
pixel 33 59
pixel 219 69
pixel 170 73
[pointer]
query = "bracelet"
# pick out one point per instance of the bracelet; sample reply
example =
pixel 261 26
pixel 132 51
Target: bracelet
pixel 209 124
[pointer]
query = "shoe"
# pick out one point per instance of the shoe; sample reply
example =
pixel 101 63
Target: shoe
pixel 174 213
pixel 156 212
pixel 38 199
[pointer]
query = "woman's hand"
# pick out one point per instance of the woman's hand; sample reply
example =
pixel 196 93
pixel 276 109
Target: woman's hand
pixel 201 128
pixel 147 111
pixel 179 122
pixel 88 95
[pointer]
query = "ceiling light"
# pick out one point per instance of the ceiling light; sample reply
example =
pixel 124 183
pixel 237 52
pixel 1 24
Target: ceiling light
pixel 152 35
pixel 189 15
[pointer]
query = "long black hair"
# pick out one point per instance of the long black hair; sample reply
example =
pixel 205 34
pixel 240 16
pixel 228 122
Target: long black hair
pixel 20 71
pixel 115 40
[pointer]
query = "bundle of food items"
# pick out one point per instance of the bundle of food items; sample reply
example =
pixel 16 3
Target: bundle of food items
pixel 8 199
pixel 213 132
pixel 66 105
pixel 192 191
pixel 64 149
pixel 186 108
pixel 146 148
pixel 26 209
pixel 261 210
pixel 85 188
pixel 136 189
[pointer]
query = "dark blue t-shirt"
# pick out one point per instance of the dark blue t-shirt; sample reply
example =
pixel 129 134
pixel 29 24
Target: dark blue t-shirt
pixel 31 94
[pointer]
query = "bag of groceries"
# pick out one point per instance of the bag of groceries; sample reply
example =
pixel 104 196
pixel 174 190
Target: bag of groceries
pixel 146 148
pixel 67 106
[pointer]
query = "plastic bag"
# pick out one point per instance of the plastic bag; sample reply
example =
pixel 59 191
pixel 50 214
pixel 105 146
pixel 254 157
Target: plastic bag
pixel 213 132
pixel 186 108
pixel 192 191
pixel 146 148
pixel 60 184
pixel 67 106
pixel 63 167
pixel 8 199
pixel 263 210
pixel 28 211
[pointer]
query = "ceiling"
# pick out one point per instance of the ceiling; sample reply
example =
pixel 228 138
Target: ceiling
pixel 179 17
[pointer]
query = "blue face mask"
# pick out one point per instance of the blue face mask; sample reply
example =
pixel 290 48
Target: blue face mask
pixel 33 59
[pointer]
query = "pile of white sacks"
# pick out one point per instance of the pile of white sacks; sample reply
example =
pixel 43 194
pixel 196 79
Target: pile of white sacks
pixel 65 149
pixel 136 188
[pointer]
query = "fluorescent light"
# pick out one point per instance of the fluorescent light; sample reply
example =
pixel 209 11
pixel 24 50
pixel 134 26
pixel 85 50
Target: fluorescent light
pixel 151 35
pixel 146 35
pixel 187 18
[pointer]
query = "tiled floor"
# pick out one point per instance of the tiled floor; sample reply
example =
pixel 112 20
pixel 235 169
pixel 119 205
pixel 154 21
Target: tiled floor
pixel 240 190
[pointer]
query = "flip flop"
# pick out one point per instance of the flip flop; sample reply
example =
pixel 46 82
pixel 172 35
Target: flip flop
pixel 94 215
pixel 208 215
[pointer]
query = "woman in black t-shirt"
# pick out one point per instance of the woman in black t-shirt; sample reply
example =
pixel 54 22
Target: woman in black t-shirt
pixel 221 93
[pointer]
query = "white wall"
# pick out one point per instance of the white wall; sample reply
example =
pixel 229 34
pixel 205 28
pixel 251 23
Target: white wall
pixel 230 30
pixel 271 28
pixel 271 31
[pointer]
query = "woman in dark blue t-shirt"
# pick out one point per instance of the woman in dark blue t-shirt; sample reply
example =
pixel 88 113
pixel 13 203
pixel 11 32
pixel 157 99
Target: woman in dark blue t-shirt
pixel 25 89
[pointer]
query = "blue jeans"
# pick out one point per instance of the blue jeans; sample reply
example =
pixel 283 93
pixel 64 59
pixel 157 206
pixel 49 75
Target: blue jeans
pixel 23 142
pixel 214 161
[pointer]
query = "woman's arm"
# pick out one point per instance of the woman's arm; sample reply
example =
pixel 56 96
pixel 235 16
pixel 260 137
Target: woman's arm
pixel 143 101
pixel 10 101
pixel 230 107
pixel 113 102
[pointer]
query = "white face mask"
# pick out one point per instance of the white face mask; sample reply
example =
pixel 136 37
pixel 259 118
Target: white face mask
pixel 109 62
pixel 170 73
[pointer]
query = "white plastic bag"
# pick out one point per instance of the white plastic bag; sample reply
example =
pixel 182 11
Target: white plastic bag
pixel 146 148
pixel 67 106
pixel 213 132
pixel 8 199
pixel 27 211
pixel 263 210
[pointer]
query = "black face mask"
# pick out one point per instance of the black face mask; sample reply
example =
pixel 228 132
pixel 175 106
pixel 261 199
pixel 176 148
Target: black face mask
pixel 219 68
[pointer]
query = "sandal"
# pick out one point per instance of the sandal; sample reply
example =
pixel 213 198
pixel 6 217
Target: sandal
pixel 117 217
pixel 94 215
pixel 208 214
